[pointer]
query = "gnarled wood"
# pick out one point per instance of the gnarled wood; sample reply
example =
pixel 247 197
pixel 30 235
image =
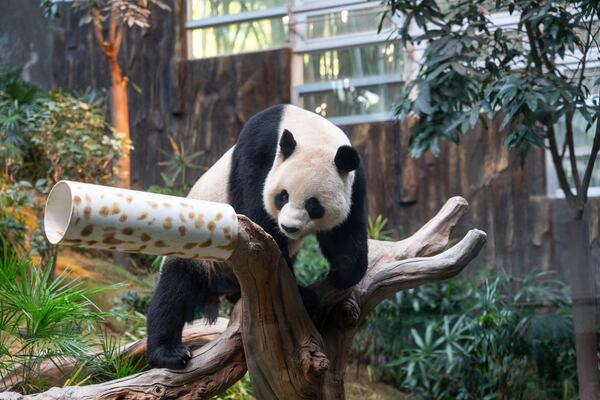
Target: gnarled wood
pixel 289 354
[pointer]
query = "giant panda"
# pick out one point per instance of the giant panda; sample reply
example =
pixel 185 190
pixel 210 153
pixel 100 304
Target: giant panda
pixel 293 173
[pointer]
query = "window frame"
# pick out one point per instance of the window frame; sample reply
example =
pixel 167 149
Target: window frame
pixel 553 189
pixel 302 10
pixel 229 19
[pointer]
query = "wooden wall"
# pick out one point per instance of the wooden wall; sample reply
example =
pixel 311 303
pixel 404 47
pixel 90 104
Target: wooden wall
pixel 506 200
pixel 204 103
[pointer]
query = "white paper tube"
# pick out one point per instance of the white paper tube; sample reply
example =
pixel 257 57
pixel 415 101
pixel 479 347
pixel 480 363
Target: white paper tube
pixel 108 218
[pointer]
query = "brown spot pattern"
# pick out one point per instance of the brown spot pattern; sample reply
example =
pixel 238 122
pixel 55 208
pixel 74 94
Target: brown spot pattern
pixel 87 212
pixel 78 220
pixel 77 200
pixel 87 231
pixel 218 216
pixel 92 242
pixel 184 205
pixel 104 211
pixel 152 204
pixel 191 215
pixel 143 216
pixel 212 226
pixel 168 224
pixel 128 231
pixel 208 243
pixel 115 209
pixel 182 218
pixel 112 240
pixel 152 222
pixel 129 199
pixel 182 230
pixel 145 237
pixel 160 243
pixel 189 246
pixel 199 221
pixel 123 218
pixel 166 205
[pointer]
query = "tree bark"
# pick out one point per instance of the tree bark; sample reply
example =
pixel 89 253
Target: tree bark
pixel 583 292
pixel 119 108
pixel 120 119
pixel 289 354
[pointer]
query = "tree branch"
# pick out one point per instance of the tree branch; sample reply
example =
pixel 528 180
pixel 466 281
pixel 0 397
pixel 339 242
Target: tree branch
pixel 571 144
pixel 587 177
pixel 285 350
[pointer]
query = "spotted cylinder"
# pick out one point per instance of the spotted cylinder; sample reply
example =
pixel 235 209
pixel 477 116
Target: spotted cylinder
pixel 109 218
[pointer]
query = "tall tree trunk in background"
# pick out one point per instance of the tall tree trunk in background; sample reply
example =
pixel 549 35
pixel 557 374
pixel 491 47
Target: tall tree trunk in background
pixel 120 120
pixel 120 111
pixel 583 292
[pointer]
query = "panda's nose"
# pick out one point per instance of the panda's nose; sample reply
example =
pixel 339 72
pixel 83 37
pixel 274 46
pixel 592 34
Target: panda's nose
pixel 289 229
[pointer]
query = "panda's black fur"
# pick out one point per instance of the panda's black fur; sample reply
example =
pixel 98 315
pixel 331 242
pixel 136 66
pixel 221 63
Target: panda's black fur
pixel 186 289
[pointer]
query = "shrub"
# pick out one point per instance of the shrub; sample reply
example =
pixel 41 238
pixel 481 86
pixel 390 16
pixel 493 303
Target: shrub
pixel 506 338
pixel 41 318
pixel 45 137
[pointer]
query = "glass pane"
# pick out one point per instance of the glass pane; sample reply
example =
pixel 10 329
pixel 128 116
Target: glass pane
pixel 583 141
pixel 256 35
pixel 344 22
pixel 346 99
pixel 353 62
pixel 217 8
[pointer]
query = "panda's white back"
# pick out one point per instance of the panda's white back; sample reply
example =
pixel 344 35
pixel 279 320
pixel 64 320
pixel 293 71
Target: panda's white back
pixel 213 184
pixel 309 129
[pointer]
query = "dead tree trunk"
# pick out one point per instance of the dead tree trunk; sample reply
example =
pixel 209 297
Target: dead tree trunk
pixel 289 354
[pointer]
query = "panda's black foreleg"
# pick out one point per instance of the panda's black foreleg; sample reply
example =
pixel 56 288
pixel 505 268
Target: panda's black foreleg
pixel 184 288
pixel 347 253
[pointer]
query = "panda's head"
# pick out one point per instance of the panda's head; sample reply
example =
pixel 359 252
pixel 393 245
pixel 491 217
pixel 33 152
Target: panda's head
pixel 309 188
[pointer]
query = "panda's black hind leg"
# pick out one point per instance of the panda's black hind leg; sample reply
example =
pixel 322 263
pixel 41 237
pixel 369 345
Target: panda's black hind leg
pixel 184 290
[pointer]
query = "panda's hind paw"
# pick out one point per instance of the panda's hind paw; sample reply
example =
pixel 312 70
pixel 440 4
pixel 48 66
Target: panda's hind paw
pixel 170 356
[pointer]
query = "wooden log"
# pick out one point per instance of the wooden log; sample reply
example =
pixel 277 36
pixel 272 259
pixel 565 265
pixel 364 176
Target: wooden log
pixel 290 354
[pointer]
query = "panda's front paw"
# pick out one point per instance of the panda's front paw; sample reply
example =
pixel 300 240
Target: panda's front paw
pixel 169 356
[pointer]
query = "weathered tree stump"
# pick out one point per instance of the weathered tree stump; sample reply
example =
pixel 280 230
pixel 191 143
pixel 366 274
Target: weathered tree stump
pixel 288 353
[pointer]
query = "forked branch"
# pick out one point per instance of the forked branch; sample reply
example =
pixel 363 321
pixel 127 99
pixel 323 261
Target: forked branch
pixel 289 354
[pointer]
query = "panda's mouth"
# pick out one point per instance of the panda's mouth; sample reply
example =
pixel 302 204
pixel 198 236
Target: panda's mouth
pixel 290 231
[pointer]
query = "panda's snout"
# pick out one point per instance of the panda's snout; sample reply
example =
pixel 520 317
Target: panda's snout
pixel 290 229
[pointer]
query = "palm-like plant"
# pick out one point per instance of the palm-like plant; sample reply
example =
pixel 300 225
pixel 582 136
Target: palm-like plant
pixel 41 318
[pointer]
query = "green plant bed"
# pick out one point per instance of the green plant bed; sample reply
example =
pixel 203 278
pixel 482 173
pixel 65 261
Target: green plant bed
pixel 501 338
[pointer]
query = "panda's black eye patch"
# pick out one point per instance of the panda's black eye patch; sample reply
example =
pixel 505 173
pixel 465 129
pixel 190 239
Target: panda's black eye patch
pixel 281 199
pixel 314 208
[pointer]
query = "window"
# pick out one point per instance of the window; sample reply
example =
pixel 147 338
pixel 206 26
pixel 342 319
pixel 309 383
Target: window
pixel 217 27
pixel 583 141
pixel 343 69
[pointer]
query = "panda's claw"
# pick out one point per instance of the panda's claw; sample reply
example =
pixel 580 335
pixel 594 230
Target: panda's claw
pixel 170 356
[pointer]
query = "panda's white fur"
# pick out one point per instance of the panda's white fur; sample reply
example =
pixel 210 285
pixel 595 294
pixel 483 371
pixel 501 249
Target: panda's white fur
pixel 317 141
pixel 283 148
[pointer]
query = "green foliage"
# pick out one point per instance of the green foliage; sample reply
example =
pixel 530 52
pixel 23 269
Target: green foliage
pixel 505 338
pixel 130 12
pixel 45 137
pixel 472 65
pixel 310 265
pixel 41 318
pixel 242 390
pixel 376 229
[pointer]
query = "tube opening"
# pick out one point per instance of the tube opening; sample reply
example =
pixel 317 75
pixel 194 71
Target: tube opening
pixel 57 214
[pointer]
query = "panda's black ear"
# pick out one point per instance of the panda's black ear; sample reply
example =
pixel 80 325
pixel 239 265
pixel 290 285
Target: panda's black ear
pixel 346 159
pixel 287 144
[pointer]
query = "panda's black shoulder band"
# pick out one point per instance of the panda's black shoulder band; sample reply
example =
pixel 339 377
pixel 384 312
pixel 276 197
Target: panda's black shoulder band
pixel 346 159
